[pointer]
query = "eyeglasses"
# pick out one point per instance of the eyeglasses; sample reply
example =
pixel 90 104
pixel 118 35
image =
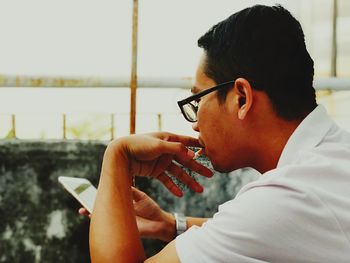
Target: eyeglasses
pixel 189 106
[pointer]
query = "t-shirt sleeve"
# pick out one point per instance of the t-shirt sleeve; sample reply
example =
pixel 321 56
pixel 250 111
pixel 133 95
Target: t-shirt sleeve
pixel 257 226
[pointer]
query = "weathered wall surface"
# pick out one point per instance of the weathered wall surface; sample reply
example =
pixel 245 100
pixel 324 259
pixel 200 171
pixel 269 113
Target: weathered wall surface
pixel 39 220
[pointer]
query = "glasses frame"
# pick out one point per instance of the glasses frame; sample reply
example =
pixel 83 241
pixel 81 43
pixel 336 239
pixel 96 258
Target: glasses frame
pixel 188 100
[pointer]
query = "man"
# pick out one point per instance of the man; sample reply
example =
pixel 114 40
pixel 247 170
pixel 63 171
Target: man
pixel 253 106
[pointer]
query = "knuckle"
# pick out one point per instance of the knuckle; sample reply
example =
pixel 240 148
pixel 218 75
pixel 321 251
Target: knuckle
pixel 188 179
pixel 159 144
pixel 181 147
pixel 166 136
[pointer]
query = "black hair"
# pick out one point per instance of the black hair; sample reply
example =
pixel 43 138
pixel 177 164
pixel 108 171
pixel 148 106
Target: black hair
pixel 266 46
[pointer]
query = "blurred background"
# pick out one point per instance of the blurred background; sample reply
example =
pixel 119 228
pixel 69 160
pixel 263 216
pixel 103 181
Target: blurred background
pixel 76 74
pixel 87 45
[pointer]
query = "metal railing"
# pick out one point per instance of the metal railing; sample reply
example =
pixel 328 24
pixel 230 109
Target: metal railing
pixel 334 83
pixel 134 82
pixel 12 134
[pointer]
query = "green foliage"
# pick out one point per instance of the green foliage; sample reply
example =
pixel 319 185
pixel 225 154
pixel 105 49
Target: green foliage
pixel 10 134
pixel 92 128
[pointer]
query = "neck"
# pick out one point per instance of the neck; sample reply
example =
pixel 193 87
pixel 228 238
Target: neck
pixel 274 138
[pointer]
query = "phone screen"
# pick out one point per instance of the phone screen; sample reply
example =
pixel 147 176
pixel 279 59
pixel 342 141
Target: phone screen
pixel 81 189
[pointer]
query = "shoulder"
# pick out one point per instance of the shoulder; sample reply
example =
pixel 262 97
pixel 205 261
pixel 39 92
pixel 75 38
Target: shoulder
pixel 240 229
pixel 270 218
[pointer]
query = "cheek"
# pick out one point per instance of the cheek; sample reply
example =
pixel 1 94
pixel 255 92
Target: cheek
pixel 210 116
pixel 209 123
pixel 214 127
pixel 205 119
pixel 207 111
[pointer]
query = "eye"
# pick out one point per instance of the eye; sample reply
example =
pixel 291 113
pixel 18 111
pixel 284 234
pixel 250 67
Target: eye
pixel 196 104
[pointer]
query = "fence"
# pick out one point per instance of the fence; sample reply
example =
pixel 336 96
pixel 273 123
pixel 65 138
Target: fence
pixel 329 84
pixel 324 87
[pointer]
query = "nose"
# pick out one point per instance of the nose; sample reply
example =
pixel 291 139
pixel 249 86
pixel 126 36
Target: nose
pixel 195 126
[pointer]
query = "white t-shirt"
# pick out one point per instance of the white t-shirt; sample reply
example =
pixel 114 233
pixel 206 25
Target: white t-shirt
pixel 298 212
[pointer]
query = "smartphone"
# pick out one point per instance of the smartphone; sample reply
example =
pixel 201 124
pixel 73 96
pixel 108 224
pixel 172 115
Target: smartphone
pixel 81 189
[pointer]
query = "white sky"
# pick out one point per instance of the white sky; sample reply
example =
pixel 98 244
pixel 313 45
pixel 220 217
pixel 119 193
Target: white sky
pixel 93 38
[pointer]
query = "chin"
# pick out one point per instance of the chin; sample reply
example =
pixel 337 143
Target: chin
pixel 225 167
pixel 222 168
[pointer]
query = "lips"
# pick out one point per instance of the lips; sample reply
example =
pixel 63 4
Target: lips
pixel 201 142
pixel 202 150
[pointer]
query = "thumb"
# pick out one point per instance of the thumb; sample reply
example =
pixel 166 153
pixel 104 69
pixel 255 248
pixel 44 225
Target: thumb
pixel 137 194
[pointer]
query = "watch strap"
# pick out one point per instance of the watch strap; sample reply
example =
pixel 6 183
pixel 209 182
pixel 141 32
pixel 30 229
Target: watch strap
pixel 181 223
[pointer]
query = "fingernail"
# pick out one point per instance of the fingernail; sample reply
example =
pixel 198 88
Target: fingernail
pixel 198 188
pixel 209 175
pixel 190 154
pixel 178 192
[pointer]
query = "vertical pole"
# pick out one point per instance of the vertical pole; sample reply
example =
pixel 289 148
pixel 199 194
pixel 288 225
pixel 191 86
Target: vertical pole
pixel 159 115
pixel 13 121
pixel 112 127
pixel 334 39
pixel 334 53
pixel 64 126
pixel 133 80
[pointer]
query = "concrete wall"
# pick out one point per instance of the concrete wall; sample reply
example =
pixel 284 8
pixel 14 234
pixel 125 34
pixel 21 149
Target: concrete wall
pixel 39 220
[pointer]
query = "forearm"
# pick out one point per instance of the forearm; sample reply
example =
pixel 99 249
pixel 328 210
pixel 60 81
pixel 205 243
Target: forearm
pixel 195 221
pixel 114 235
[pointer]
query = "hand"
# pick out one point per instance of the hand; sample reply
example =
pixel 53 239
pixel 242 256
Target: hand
pixel 114 234
pixel 153 155
pixel 152 221
pixel 84 212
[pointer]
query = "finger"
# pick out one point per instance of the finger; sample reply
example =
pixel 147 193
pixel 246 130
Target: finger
pixel 186 140
pixel 137 194
pixel 83 211
pixel 184 156
pixel 194 166
pixel 162 163
pixel 185 178
pixel 170 185
pixel 143 226
pixel 175 148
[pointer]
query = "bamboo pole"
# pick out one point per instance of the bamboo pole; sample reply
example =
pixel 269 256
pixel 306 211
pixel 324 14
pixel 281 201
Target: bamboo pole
pixel 133 80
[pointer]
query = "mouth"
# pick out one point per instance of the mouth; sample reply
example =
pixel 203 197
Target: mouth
pixel 201 143
pixel 201 151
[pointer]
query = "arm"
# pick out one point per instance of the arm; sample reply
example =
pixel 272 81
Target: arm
pixel 113 232
pixel 164 229
pixel 169 254
pixel 195 221
pixel 152 221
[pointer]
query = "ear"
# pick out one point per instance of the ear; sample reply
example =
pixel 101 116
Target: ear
pixel 244 97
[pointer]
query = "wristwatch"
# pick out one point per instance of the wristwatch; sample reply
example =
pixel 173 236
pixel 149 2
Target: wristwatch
pixel 181 223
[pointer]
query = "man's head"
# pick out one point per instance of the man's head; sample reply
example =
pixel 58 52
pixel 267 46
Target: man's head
pixel 263 49
pixel 266 46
